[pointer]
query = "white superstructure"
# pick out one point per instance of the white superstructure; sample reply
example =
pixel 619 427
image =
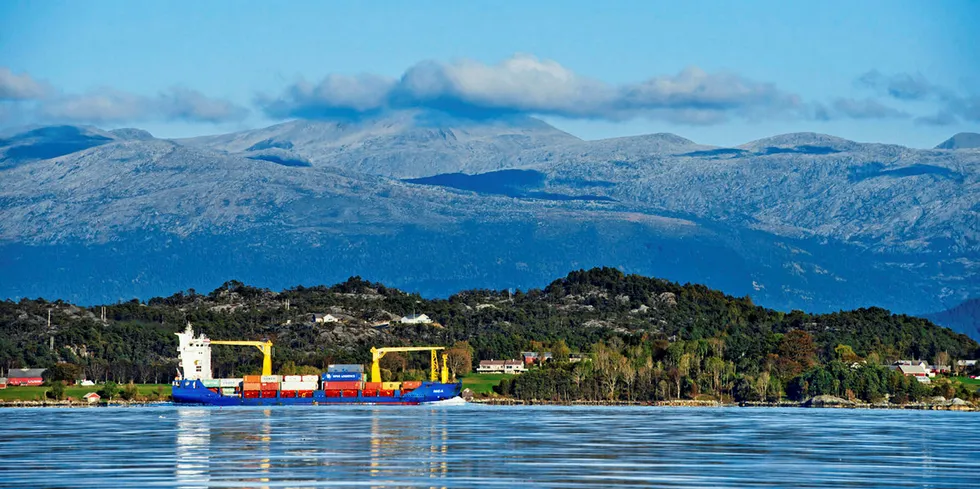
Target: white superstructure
pixel 194 354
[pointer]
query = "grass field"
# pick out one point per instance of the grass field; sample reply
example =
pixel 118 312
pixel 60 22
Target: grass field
pixel 30 393
pixel 975 383
pixel 483 383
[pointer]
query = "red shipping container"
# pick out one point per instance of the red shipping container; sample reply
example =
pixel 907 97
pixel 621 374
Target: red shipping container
pixel 369 392
pixel 251 386
pixel 411 384
pixel 344 385
pixel 269 393
pixel 251 394
pixel 386 393
pixel 270 386
pixel 304 393
pixel 332 393
pixel 348 393
pixel 287 394
pixel 372 385
pixel 214 389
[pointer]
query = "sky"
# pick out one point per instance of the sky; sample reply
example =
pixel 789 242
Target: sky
pixel 721 73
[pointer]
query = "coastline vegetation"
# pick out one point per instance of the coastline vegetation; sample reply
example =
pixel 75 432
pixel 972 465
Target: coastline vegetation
pixel 643 339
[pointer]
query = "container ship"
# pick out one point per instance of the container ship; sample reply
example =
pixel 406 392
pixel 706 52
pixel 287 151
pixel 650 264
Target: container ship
pixel 340 384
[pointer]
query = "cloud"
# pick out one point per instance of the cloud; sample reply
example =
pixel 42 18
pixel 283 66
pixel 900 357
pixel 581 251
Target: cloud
pixel 866 109
pixel 524 84
pixel 903 86
pixel 953 105
pixel 108 106
pixel 26 99
pixel 941 118
pixel 19 87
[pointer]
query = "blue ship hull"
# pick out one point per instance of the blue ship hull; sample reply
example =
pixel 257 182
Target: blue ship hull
pixel 194 392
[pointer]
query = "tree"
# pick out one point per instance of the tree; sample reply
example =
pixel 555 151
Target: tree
pixel 846 354
pixel 129 392
pixel 57 391
pixel 109 390
pixel 459 358
pixel 560 351
pixel 64 372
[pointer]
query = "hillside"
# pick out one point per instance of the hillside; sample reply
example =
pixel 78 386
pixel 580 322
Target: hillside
pixel 582 309
pixel 434 204
pixel 963 318
pixel 963 140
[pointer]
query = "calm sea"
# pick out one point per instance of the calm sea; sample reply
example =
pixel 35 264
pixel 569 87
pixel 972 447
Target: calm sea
pixel 467 446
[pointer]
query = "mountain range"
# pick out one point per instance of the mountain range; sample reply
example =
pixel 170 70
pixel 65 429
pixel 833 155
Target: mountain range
pixel 433 203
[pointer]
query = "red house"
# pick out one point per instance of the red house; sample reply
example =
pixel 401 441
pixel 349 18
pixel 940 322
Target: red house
pixel 25 376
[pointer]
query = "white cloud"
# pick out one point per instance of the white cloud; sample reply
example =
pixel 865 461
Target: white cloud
pixel 524 84
pixel 19 87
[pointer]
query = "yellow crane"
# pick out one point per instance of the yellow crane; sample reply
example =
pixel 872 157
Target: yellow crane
pixel 378 353
pixel 264 346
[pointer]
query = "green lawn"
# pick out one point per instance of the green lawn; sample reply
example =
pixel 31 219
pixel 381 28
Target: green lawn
pixel 30 393
pixel 483 383
pixel 975 383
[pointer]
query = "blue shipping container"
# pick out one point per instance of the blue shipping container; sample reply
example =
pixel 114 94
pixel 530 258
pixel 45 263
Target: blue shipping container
pixel 345 368
pixel 341 376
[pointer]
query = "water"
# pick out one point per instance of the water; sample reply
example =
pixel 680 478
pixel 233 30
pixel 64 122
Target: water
pixel 467 446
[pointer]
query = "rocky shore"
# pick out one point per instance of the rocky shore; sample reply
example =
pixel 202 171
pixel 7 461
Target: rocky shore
pixel 934 404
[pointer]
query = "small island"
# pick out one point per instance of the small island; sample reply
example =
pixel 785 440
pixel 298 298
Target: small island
pixel 593 337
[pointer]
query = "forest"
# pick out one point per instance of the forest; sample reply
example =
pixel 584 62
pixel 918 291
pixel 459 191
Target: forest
pixel 642 338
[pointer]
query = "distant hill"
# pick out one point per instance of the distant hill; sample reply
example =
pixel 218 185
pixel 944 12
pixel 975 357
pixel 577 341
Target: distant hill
pixel 963 140
pixel 432 203
pixel 964 318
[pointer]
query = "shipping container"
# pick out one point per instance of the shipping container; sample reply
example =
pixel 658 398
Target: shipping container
pixel 265 393
pixel 228 391
pixel 386 393
pixel 251 386
pixel 309 378
pixel 341 385
pixel 270 386
pixel 268 379
pixel 287 393
pixel 349 376
pixel 216 390
pixel 393 386
pixel 292 378
pixel 304 393
pixel 348 393
pixel 332 393
pixel 411 384
pixel 252 379
pixel 211 382
pixel 298 386
pixel 346 368
pixel 230 382
pixel 369 392
pixel 250 394
pixel 372 385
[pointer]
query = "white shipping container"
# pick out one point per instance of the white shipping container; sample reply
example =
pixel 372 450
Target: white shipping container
pixel 230 382
pixel 298 386
pixel 228 391
pixel 210 382
pixel 310 378
pixel 270 378
pixel 292 378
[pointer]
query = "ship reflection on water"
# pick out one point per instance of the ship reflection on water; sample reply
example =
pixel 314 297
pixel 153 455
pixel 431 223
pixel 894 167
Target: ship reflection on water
pixel 472 445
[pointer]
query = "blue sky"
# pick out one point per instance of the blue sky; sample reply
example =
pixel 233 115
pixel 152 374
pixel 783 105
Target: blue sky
pixel 724 73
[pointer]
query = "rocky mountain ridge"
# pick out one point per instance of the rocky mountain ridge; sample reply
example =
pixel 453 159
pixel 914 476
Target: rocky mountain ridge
pixel 798 220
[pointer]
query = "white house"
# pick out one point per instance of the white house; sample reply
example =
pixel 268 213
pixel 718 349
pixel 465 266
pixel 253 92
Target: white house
pixel 920 372
pixel 501 367
pixel 416 319
pixel 324 318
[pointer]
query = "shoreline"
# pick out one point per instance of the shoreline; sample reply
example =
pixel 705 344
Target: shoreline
pixel 689 403
pixel 686 403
